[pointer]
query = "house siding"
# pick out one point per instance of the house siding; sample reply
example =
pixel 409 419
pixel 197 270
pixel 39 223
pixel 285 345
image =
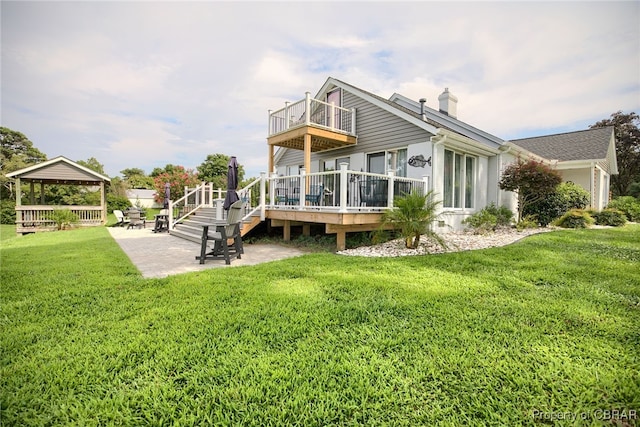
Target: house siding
pixel 377 130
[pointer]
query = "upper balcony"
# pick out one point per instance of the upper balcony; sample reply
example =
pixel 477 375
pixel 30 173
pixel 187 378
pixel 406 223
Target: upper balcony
pixel 320 125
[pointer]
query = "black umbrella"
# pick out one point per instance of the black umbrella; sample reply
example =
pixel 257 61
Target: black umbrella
pixel 232 184
pixel 167 196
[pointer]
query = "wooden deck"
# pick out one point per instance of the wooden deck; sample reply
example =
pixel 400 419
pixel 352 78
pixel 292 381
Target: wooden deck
pixel 337 223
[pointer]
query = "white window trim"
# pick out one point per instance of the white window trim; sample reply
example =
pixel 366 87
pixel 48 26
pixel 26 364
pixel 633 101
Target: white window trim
pixel 463 181
pixel 386 157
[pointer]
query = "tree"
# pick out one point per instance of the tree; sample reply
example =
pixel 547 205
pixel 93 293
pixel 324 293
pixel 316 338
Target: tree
pixel 16 152
pixel 168 169
pixel 531 180
pixel 178 178
pixel 93 164
pixel 627 149
pixel 214 169
pixel 413 215
pixel 136 178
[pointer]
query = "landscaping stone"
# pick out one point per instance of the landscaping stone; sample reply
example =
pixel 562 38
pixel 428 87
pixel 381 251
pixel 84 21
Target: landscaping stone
pixel 456 241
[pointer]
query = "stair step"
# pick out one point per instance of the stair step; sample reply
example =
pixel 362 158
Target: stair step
pixel 191 228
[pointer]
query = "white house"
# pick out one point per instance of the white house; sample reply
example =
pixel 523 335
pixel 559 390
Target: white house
pixel 461 163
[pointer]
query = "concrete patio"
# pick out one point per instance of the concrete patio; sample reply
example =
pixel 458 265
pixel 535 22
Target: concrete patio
pixel 161 255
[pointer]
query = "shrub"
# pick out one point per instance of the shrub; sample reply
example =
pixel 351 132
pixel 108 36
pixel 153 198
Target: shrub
pixel 531 180
pixel 64 218
pixel 566 196
pixel 627 204
pixel 7 212
pixel 117 203
pixel 481 222
pixel 489 218
pixel 612 217
pixel 412 216
pixel 529 221
pixel 575 218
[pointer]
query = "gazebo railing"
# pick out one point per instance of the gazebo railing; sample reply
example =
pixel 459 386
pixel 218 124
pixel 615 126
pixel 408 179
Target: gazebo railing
pixel 39 217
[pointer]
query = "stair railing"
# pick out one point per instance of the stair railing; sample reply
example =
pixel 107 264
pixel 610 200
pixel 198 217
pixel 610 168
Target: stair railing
pixel 194 199
pixel 253 196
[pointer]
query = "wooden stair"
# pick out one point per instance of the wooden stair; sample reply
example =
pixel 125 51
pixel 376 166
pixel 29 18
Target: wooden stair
pixel 191 229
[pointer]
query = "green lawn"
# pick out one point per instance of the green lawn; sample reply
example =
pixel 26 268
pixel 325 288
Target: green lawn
pixel 546 328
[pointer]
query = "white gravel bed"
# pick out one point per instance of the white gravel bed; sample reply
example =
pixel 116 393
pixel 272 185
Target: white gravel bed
pixel 456 241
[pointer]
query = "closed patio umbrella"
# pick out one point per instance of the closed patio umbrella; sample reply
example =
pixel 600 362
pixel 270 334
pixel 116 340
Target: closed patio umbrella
pixel 232 184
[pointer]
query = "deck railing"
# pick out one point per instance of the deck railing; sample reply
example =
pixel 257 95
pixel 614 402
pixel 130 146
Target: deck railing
pixel 39 217
pixel 340 191
pixel 311 111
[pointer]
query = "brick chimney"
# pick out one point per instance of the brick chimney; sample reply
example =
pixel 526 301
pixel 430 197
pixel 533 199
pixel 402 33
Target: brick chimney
pixel 448 103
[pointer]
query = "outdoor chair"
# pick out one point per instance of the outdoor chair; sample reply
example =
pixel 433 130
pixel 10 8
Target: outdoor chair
pixel 136 220
pixel 121 220
pixel 224 231
pixel 374 192
pixel 161 222
pixel 315 194
pixel 281 195
pixel 294 197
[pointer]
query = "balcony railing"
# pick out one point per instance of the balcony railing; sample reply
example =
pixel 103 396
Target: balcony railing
pixel 312 112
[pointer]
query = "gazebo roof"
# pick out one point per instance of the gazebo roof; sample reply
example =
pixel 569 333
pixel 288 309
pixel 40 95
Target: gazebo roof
pixel 59 170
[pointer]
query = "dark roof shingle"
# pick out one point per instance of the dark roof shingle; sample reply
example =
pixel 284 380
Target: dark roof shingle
pixel 591 144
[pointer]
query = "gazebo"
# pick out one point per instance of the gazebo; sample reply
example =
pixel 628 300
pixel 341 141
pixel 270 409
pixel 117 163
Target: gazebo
pixel 37 215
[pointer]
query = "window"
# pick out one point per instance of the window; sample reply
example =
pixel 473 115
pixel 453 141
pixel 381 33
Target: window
pixel 384 162
pixel 376 163
pixel 457 166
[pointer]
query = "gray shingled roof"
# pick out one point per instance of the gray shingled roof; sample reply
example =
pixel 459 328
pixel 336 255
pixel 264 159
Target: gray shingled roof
pixel 591 144
pixel 436 119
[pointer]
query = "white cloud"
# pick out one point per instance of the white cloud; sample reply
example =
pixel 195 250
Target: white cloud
pixel 142 84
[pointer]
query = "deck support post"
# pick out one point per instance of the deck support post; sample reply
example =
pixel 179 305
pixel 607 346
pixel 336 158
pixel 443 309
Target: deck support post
pixel 341 240
pixel 286 230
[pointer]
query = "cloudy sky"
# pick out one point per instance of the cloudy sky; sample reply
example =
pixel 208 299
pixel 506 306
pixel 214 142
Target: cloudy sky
pixel 144 84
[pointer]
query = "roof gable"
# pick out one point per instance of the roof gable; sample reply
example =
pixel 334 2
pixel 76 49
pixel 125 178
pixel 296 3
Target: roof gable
pixel 406 110
pixel 61 170
pixel 447 122
pixel 591 144
pixel 380 102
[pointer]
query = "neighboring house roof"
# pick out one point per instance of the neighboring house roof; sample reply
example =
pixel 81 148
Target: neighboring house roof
pixel 592 144
pixel 59 170
pixel 141 193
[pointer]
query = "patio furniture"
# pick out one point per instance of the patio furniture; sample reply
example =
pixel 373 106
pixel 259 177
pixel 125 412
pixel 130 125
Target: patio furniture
pixel 293 197
pixel 161 222
pixel 401 188
pixel 224 231
pixel 281 195
pixel 136 220
pixel 315 194
pixel 374 192
pixel 120 218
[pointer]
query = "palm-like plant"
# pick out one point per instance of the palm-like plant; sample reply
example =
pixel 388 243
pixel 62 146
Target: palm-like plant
pixel 412 216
